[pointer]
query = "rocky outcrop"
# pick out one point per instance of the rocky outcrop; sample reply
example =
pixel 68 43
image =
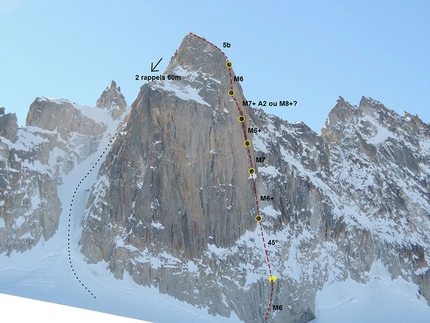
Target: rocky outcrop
pixel 58 136
pixel 29 205
pixel 62 117
pixel 8 125
pixel 380 157
pixel 112 100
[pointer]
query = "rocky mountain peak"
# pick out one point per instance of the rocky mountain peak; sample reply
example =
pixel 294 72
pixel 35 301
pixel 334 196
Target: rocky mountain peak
pixel 372 120
pixel 196 54
pixel 336 121
pixel 370 105
pixel 186 162
pixel 66 117
pixel 112 99
pixel 8 125
pixel 198 70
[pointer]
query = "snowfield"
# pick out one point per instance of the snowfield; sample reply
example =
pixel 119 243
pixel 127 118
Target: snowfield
pixel 381 300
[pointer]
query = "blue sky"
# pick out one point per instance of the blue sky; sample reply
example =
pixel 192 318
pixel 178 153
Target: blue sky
pixel 307 51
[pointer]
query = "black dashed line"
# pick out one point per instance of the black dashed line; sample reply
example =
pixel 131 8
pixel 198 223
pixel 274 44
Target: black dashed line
pixel 70 215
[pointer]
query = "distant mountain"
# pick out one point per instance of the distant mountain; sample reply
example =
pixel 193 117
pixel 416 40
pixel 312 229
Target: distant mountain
pixel 168 192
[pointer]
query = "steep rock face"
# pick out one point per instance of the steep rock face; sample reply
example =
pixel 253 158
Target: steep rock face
pixel 29 206
pixel 8 125
pixel 57 137
pixel 173 205
pixel 353 196
pixel 176 183
pixel 296 173
pixel 178 163
pixel 112 99
pixel 383 158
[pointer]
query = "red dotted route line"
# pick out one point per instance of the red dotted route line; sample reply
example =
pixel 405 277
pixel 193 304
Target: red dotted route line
pixel 254 185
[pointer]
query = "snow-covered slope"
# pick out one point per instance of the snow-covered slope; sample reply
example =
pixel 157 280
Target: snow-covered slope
pixel 382 299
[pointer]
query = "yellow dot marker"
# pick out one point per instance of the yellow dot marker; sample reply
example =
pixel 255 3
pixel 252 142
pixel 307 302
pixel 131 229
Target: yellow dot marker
pixel 273 278
pixel 251 171
pixel 247 143
pixel 241 118
pixel 258 218
pixel 229 64
pixel 231 92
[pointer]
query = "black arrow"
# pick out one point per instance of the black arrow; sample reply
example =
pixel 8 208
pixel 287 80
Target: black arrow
pixel 153 67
